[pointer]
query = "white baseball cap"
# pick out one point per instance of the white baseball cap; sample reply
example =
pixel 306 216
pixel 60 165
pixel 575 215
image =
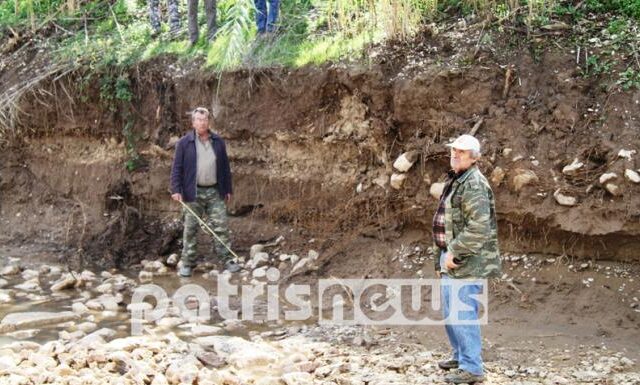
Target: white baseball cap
pixel 465 142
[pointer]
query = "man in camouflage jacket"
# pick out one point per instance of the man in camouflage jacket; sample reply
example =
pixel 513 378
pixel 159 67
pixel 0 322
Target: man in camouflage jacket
pixel 466 237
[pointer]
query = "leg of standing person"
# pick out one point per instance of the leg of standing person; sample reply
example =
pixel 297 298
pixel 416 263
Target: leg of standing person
pixel 154 16
pixel 174 17
pixel 261 15
pixel 189 235
pixel 218 221
pixel 272 19
pixel 192 15
pixel 211 13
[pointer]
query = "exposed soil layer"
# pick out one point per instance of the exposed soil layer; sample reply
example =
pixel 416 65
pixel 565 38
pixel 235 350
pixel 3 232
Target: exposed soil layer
pixel 313 149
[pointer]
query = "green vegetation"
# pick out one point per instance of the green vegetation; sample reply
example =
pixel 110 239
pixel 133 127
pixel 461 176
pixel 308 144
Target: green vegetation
pixel 106 33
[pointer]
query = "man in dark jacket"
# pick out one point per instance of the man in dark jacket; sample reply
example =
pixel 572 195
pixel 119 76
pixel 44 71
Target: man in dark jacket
pixel 201 178
pixel 466 235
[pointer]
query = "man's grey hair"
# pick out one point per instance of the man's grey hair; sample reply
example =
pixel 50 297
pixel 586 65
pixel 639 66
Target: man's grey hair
pixel 475 154
pixel 200 111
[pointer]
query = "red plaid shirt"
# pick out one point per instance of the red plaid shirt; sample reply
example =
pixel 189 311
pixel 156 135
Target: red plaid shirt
pixel 439 232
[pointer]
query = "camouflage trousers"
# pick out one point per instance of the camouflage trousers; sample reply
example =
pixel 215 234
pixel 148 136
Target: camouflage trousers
pixel 211 209
pixel 174 15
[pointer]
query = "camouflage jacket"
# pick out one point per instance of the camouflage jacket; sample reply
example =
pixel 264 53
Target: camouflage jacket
pixel 471 228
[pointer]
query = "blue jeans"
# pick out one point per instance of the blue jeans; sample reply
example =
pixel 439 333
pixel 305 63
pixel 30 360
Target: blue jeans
pixel 266 21
pixel 465 340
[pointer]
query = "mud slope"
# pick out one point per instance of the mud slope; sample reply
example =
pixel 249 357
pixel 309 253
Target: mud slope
pixel 314 148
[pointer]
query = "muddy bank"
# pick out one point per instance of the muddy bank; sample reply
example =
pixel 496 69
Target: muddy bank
pixel 314 149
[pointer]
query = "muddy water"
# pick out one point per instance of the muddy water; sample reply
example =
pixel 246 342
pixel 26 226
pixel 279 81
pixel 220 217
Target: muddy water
pixel 44 300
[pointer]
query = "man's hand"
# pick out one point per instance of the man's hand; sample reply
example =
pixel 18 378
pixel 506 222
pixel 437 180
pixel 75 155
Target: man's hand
pixel 227 199
pixel 176 197
pixel 448 262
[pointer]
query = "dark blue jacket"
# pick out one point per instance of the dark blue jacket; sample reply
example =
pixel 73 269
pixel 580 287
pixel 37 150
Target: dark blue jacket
pixel 184 169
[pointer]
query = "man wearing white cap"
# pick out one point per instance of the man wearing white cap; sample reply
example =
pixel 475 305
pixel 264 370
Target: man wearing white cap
pixel 465 235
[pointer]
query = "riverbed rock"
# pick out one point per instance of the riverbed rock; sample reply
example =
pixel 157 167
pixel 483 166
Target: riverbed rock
pixel 31 285
pixel 259 259
pixel 37 319
pixel 173 259
pixel 145 276
pixel 79 308
pixel 10 270
pixel 255 249
pixel 30 274
pixel 205 330
pixel 24 334
pixel 65 282
pixel 297 378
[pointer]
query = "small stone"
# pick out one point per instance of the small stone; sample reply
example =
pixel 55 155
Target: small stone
pixel 173 259
pixel 10 270
pixel 604 178
pixel 255 249
pixel 564 200
pixel 627 154
pixel 260 272
pixel 397 180
pixel 436 190
pixel 145 276
pixel 507 151
pixel 613 189
pixel 259 259
pixel 297 378
pixel 79 308
pixel 632 176
pixel 24 334
pixel 205 330
pixel 573 167
pixel 65 282
pixel 497 176
pixel 313 255
pixel 29 274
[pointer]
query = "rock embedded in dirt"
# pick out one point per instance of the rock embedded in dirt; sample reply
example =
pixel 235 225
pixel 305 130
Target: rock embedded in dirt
pixel 626 154
pixel 397 180
pixel 259 259
pixel 405 161
pixel 497 176
pixel 632 176
pixel 313 255
pixel 436 190
pixel 522 178
pixel 564 200
pixel 613 189
pixel 572 168
pixel 604 178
